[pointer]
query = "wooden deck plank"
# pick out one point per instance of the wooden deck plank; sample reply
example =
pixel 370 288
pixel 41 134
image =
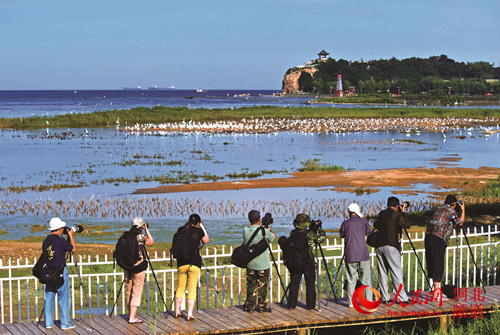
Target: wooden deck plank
pixel 12 328
pixel 245 324
pixel 34 329
pixel 218 323
pixel 214 320
pixel 255 317
pixel 121 321
pixel 3 330
pixel 170 325
pixel 84 327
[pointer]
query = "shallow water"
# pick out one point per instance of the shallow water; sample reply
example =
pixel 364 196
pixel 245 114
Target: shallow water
pixel 71 156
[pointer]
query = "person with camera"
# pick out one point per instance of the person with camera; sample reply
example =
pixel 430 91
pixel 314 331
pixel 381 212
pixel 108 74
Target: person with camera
pixel 390 223
pixel 56 247
pixel 134 282
pixel 437 237
pixel 354 230
pixel 258 268
pixel 311 233
pixel 189 267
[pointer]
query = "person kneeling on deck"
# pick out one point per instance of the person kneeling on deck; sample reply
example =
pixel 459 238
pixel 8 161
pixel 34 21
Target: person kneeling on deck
pixel 300 260
pixel 257 268
pixel 56 247
pixel 354 230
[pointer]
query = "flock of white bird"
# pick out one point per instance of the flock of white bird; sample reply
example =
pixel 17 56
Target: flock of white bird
pixel 312 125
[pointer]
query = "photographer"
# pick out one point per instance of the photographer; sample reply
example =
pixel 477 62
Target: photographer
pixel 355 230
pixel 258 268
pixel 389 223
pixel 56 247
pixel 134 282
pixel 189 267
pixel 313 235
pixel 437 237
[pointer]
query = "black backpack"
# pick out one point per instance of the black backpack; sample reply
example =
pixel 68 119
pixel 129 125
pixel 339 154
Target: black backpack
pixel 126 253
pixel 182 245
pixel 296 252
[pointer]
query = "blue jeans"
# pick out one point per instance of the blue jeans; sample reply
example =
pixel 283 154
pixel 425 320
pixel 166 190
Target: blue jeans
pixel 64 303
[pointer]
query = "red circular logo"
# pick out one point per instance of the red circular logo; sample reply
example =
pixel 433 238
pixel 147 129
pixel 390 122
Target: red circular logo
pixel 363 305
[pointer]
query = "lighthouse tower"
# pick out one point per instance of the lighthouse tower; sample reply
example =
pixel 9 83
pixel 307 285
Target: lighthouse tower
pixel 339 92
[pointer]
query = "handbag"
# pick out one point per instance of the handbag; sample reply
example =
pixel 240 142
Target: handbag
pixel 371 239
pixel 51 276
pixel 244 253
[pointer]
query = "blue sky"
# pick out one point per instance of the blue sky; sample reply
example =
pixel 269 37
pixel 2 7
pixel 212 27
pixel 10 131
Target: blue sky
pixel 226 44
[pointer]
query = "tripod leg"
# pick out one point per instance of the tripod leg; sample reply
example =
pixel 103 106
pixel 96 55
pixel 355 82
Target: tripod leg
pixel 215 286
pixel 473 258
pixel 285 295
pixel 337 274
pixel 117 297
pixel 277 271
pixel 327 272
pixel 418 258
pixel 156 281
pixel 83 290
pixel 40 317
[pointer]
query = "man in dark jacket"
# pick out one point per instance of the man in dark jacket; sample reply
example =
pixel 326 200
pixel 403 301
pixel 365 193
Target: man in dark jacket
pixel 389 224
pixel 56 247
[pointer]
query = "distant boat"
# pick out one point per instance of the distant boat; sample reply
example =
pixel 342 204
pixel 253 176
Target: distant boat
pixel 190 97
pixel 137 88
pixel 201 90
pixel 156 88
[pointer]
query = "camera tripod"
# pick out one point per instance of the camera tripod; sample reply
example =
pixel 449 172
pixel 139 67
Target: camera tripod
pixel 146 254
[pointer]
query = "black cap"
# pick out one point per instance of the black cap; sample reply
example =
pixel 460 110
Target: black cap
pixel 253 216
pixel 450 199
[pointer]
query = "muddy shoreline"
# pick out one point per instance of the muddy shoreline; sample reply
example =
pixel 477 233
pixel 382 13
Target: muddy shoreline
pixel 442 177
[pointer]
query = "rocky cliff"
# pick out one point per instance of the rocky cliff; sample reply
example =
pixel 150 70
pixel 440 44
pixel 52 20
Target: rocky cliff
pixel 291 81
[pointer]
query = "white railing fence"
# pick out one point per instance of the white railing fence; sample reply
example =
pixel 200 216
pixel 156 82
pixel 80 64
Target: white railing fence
pixel 21 295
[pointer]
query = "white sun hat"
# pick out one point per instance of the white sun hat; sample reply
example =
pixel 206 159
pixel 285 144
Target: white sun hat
pixel 354 208
pixel 56 223
pixel 138 222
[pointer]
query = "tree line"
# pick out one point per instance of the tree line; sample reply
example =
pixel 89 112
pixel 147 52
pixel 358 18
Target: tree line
pixel 411 75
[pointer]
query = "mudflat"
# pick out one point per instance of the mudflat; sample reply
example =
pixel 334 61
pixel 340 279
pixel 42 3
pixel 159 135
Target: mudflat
pixel 443 177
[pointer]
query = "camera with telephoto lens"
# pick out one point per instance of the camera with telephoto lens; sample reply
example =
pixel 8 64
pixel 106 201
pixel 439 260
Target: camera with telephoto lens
pixel 76 229
pixel 406 204
pixel 315 224
pixel 267 220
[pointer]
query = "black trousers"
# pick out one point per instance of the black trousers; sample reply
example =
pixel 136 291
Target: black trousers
pixel 310 279
pixel 435 250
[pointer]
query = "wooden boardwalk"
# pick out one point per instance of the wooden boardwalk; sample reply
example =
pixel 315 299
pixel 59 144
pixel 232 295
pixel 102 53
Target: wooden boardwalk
pixel 233 320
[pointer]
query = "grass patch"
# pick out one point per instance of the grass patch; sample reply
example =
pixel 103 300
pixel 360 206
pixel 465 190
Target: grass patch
pixel 315 165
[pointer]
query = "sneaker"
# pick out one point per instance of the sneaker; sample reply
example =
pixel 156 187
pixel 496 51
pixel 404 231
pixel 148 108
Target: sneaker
pixel 68 328
pixel 49 327
pixel 351 306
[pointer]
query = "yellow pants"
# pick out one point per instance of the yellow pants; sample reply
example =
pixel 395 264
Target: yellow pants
pixel 187 276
